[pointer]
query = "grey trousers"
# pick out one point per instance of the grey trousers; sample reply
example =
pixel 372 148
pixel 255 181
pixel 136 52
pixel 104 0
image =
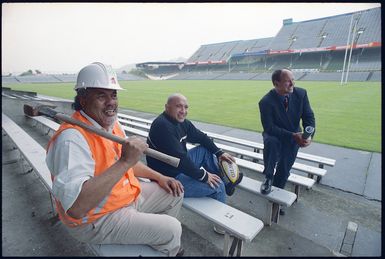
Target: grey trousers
pixel 151 220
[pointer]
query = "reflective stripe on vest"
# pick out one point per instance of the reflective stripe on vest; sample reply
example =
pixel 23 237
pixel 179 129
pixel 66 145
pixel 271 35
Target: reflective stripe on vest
pixel 104 152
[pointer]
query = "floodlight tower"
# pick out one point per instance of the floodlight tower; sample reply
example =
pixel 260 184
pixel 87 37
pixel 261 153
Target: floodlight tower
pixel 354 40
pixel 346 50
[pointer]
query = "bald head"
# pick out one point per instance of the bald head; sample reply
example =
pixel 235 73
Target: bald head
pixel 175 97
pixel 176 107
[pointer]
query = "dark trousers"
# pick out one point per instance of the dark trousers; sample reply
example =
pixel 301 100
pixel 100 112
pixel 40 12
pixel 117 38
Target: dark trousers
pixel 279 155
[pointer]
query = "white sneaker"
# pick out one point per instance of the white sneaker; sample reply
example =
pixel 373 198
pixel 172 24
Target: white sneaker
pixel 219 230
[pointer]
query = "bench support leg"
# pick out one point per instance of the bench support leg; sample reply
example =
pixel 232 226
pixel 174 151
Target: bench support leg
pixel 272 213
pixel 311 177
pixel 275 212
pixel 226 245
pixel 320 177
pixel 240 246
pixel 52 205
pixel 237 245
pixel 269 214
pixel 48 130
pixel 296 191
pixel 233 246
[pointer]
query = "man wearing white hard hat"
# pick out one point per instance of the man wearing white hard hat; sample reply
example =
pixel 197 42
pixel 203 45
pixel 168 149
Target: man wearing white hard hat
pixel 98 195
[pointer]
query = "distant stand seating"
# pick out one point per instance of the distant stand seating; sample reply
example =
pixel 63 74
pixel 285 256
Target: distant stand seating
pixel 37 79
pixel 237 76
pixel 335 76
pixel 375 76
pixel 57 78
pixel 266 76
pixel 129 77
pixel 9 79
pixel 66 77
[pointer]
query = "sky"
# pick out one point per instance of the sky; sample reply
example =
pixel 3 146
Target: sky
pixel 64 37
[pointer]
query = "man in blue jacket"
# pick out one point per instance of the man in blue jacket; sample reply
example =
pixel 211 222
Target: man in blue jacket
pixel 198 169
pixel 281 110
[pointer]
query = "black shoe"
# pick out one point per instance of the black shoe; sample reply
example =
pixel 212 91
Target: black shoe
pixel 230 187
pixel 266 186
pixel 282 212
pixel 180 252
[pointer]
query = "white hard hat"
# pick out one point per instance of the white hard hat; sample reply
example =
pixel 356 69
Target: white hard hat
pixel 97 75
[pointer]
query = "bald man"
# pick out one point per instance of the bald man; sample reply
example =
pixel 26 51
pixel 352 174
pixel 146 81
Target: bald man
pixel 198 170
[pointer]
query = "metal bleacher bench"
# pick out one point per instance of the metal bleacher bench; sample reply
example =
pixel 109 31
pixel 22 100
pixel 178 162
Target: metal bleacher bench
pixel 295 179
pixel 257 147
pixel 321 161
pixel 238 225
pixel 133 118
pixel 276 198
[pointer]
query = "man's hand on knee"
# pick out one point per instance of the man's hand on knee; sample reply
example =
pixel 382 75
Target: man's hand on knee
pixel 171 185
pixel 213 180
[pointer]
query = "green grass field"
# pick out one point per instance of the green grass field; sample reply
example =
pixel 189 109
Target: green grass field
pixel 347 116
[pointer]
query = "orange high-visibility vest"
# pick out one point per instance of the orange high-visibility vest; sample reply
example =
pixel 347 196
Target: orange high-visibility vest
pixel 105 153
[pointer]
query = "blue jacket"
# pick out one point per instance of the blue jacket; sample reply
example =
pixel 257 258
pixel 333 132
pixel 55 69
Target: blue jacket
pixel 281 124
pixel 170 137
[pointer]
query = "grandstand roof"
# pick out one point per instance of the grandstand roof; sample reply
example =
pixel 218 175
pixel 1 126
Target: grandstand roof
pixel 221 52
pixel 330 33
pixel 322 34
pixel 160 63
pixel 333 16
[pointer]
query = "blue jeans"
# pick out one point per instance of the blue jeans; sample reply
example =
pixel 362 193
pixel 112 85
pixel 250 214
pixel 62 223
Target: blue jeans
pixel 195 188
